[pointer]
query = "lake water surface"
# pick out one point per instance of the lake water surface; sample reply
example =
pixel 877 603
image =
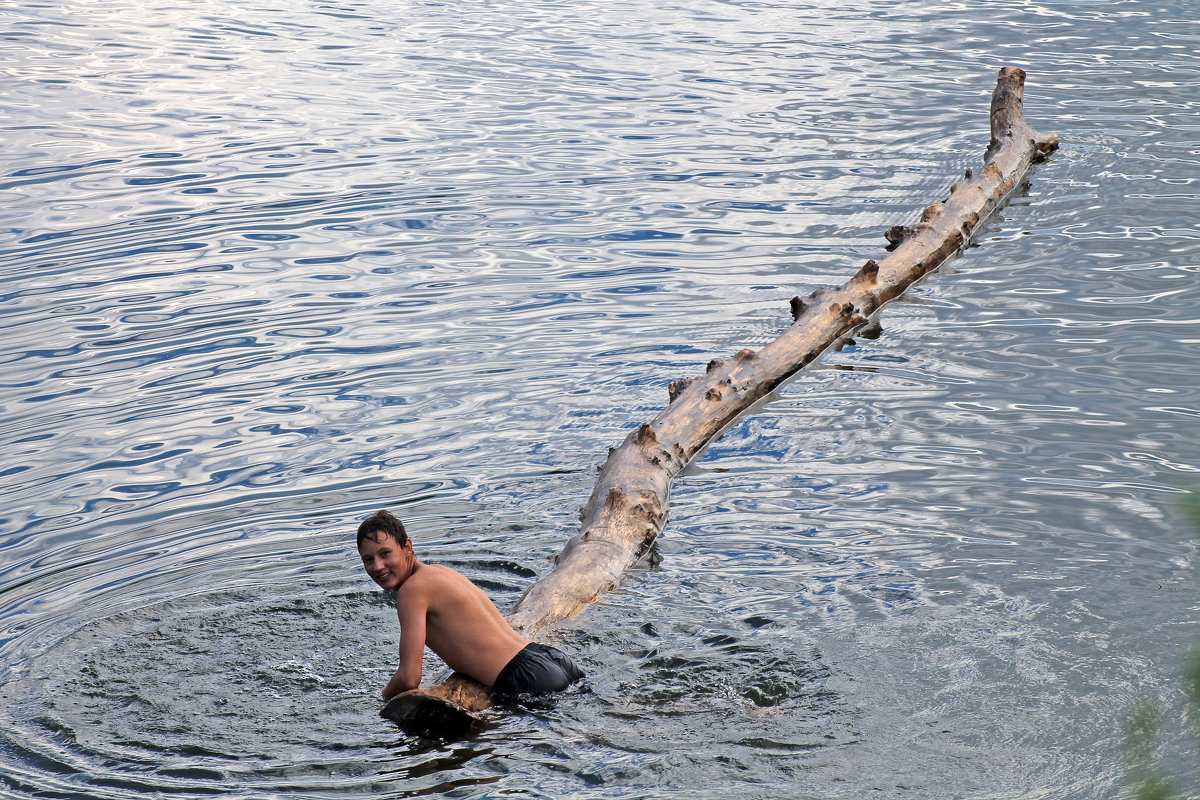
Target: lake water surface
pixel 268 267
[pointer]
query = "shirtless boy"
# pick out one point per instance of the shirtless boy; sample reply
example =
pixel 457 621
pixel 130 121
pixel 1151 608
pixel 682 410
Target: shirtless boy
pixel 440 608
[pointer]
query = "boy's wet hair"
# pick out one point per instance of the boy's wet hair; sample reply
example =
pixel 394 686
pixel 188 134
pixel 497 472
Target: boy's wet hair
pixel 382 523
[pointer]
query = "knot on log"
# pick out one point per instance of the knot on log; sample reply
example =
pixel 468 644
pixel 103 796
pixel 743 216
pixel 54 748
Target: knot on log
pixel 576 541
pixel 645 435
pixel 713 394
pixel 713 365
pixel 995 144
pixel 651 512
pixel 615 498
pixel 933 212
pixel 847 310
pixel 897 235
pixel 649 497
pixel 745 354
pixel 798 307
pixel 991 171
pixel 968 174
pixel 1045 146
pixel 677 387
pixel 868 273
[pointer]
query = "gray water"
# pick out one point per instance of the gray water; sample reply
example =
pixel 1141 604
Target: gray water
pixel 265 268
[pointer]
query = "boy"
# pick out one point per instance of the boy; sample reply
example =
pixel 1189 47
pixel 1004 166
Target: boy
pixel 440 608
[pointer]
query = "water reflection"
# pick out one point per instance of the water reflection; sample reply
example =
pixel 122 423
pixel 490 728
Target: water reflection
pixel 266 269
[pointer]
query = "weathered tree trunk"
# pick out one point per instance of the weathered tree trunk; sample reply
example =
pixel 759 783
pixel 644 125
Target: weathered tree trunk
pixel 628 506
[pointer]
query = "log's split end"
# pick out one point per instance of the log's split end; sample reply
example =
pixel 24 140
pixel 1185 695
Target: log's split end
pixel 1008 120
pixel 620 525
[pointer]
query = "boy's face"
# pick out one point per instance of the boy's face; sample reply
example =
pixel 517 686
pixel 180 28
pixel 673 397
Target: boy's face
pixel 388 564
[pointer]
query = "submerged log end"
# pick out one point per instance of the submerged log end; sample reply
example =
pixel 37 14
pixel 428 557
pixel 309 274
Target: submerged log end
pixel 428 712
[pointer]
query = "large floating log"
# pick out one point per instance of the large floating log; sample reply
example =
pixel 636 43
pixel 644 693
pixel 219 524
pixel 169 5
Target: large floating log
pixel 628 506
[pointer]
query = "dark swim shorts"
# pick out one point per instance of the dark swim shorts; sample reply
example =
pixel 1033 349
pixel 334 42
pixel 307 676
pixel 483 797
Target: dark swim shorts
pixel 537 669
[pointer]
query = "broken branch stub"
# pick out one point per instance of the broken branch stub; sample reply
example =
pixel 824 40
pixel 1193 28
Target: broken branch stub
pixel 628 505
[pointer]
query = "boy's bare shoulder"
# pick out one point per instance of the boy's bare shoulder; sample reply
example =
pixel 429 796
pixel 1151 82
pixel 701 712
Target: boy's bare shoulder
pixel 431 579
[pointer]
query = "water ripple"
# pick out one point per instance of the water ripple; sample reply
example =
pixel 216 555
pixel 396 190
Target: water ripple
pixel 265 269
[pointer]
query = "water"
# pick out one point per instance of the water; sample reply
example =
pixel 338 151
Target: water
pixel 267 268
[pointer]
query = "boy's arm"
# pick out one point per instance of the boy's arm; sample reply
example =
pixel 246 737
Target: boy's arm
pixel 411 607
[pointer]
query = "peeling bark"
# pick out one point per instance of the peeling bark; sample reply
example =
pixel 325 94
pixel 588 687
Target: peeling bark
pixel 628 505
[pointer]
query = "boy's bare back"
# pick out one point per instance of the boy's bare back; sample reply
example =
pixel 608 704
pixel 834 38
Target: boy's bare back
pixel 442 609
